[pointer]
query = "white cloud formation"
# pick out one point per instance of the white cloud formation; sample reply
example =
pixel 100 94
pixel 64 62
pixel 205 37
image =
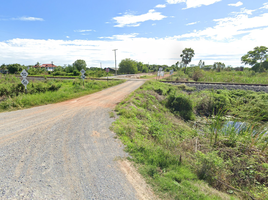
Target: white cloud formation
pixel 229 27
pixel 193 3
pixel 192 23
pixel 265 6
pixel 239 3
pixel 28 19
pixel 67 36
pixel 175 1
pixel 153 50
pixel 244 11
pixel 131 20
pixel 82 31
pixel 160 6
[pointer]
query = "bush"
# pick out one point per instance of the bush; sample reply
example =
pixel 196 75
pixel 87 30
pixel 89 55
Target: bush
pixel 212 104
pixel 182 105
pixel 197 75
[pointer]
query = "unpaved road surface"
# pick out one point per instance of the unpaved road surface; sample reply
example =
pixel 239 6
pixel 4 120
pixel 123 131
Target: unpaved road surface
pixel 64 150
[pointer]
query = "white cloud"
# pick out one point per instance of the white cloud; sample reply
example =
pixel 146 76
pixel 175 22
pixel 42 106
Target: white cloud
pixel 134 20
pixel 265 6
pixel 82 31
pixel 153 50
pixel 192 23
pixel 193 3
pixel 229 27
pixel 121 37
pixel 160 6
pixel 239 3
pixel 67 37
pixel 28 19
pixel 153 24
pixel 244 11
pixel 175 1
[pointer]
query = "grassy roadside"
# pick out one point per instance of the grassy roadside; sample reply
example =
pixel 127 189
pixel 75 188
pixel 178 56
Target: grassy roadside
pixel 46 92
pixel 196 74
pixel 182 162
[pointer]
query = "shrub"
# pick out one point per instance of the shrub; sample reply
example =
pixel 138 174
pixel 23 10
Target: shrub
pixel 182 105
pixel 212 103
pixel 197 75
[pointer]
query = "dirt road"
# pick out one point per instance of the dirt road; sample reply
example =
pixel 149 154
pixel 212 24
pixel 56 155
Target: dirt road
pixel 64 150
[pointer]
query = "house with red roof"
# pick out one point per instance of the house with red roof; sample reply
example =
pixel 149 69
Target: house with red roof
pixel 48 67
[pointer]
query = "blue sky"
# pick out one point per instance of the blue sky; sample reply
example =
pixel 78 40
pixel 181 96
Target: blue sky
pixel 153 32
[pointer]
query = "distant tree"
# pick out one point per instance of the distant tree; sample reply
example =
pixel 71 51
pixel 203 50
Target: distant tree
pixel 258 55
pixel 69 69
pixel 218 66
pixel 201 64
pixel 260 67
pixel 128 66
pixel 13 68
pixel 140 66
pixel 80 64
pixel 38 64
pixel 3 67
pixel 145 69
pixel 186 56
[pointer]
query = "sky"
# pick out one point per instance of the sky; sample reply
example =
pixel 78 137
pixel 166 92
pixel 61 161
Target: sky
pixel 151 31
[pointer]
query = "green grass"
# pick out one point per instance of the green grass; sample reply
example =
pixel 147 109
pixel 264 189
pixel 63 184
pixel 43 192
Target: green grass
pixel 183 162
pixel 235 77
pixel 247 76
pixel 39 94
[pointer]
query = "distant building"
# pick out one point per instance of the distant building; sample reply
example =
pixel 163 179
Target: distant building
pixel 48 67
pixel 111 69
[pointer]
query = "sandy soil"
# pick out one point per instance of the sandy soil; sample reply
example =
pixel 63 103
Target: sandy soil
pixel 66 151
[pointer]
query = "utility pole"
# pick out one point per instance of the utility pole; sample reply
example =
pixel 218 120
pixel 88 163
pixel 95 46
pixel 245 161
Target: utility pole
pixel 115 60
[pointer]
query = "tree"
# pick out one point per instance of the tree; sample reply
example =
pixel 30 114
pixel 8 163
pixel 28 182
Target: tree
pixel 13 68
pixel 258 55
pixel 186 56
pixel 201 64
pixel 80 64
pixel 140 66
pixel 218 66
pixel 128 66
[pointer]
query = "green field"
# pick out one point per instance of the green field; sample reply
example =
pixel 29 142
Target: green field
pixel 13 96
pixel 246 76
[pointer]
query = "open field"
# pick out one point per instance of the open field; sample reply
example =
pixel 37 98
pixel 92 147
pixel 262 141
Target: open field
pixel 245 76
pixel 13 97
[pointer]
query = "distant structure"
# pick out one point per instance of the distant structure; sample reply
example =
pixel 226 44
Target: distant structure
pixel 48 67
pixel 111 69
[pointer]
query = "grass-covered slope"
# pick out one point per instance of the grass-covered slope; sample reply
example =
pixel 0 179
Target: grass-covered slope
pixel 181 162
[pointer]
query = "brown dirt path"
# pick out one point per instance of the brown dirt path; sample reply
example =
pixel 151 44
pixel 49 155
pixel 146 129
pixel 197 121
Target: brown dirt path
pixel 66 151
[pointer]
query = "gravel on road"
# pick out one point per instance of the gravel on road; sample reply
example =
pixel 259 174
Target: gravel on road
pixel 65 150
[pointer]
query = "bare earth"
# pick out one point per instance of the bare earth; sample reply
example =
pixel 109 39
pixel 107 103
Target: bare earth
pixel 66 151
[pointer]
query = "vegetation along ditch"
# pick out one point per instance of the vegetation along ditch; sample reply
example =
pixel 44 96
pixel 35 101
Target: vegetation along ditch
pixel 188 145
pixel 13 97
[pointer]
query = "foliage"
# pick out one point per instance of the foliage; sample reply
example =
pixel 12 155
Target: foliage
pixel 252 57
pixel 181 104
pixel 79 65
pixel 186 56
pixel 128 66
